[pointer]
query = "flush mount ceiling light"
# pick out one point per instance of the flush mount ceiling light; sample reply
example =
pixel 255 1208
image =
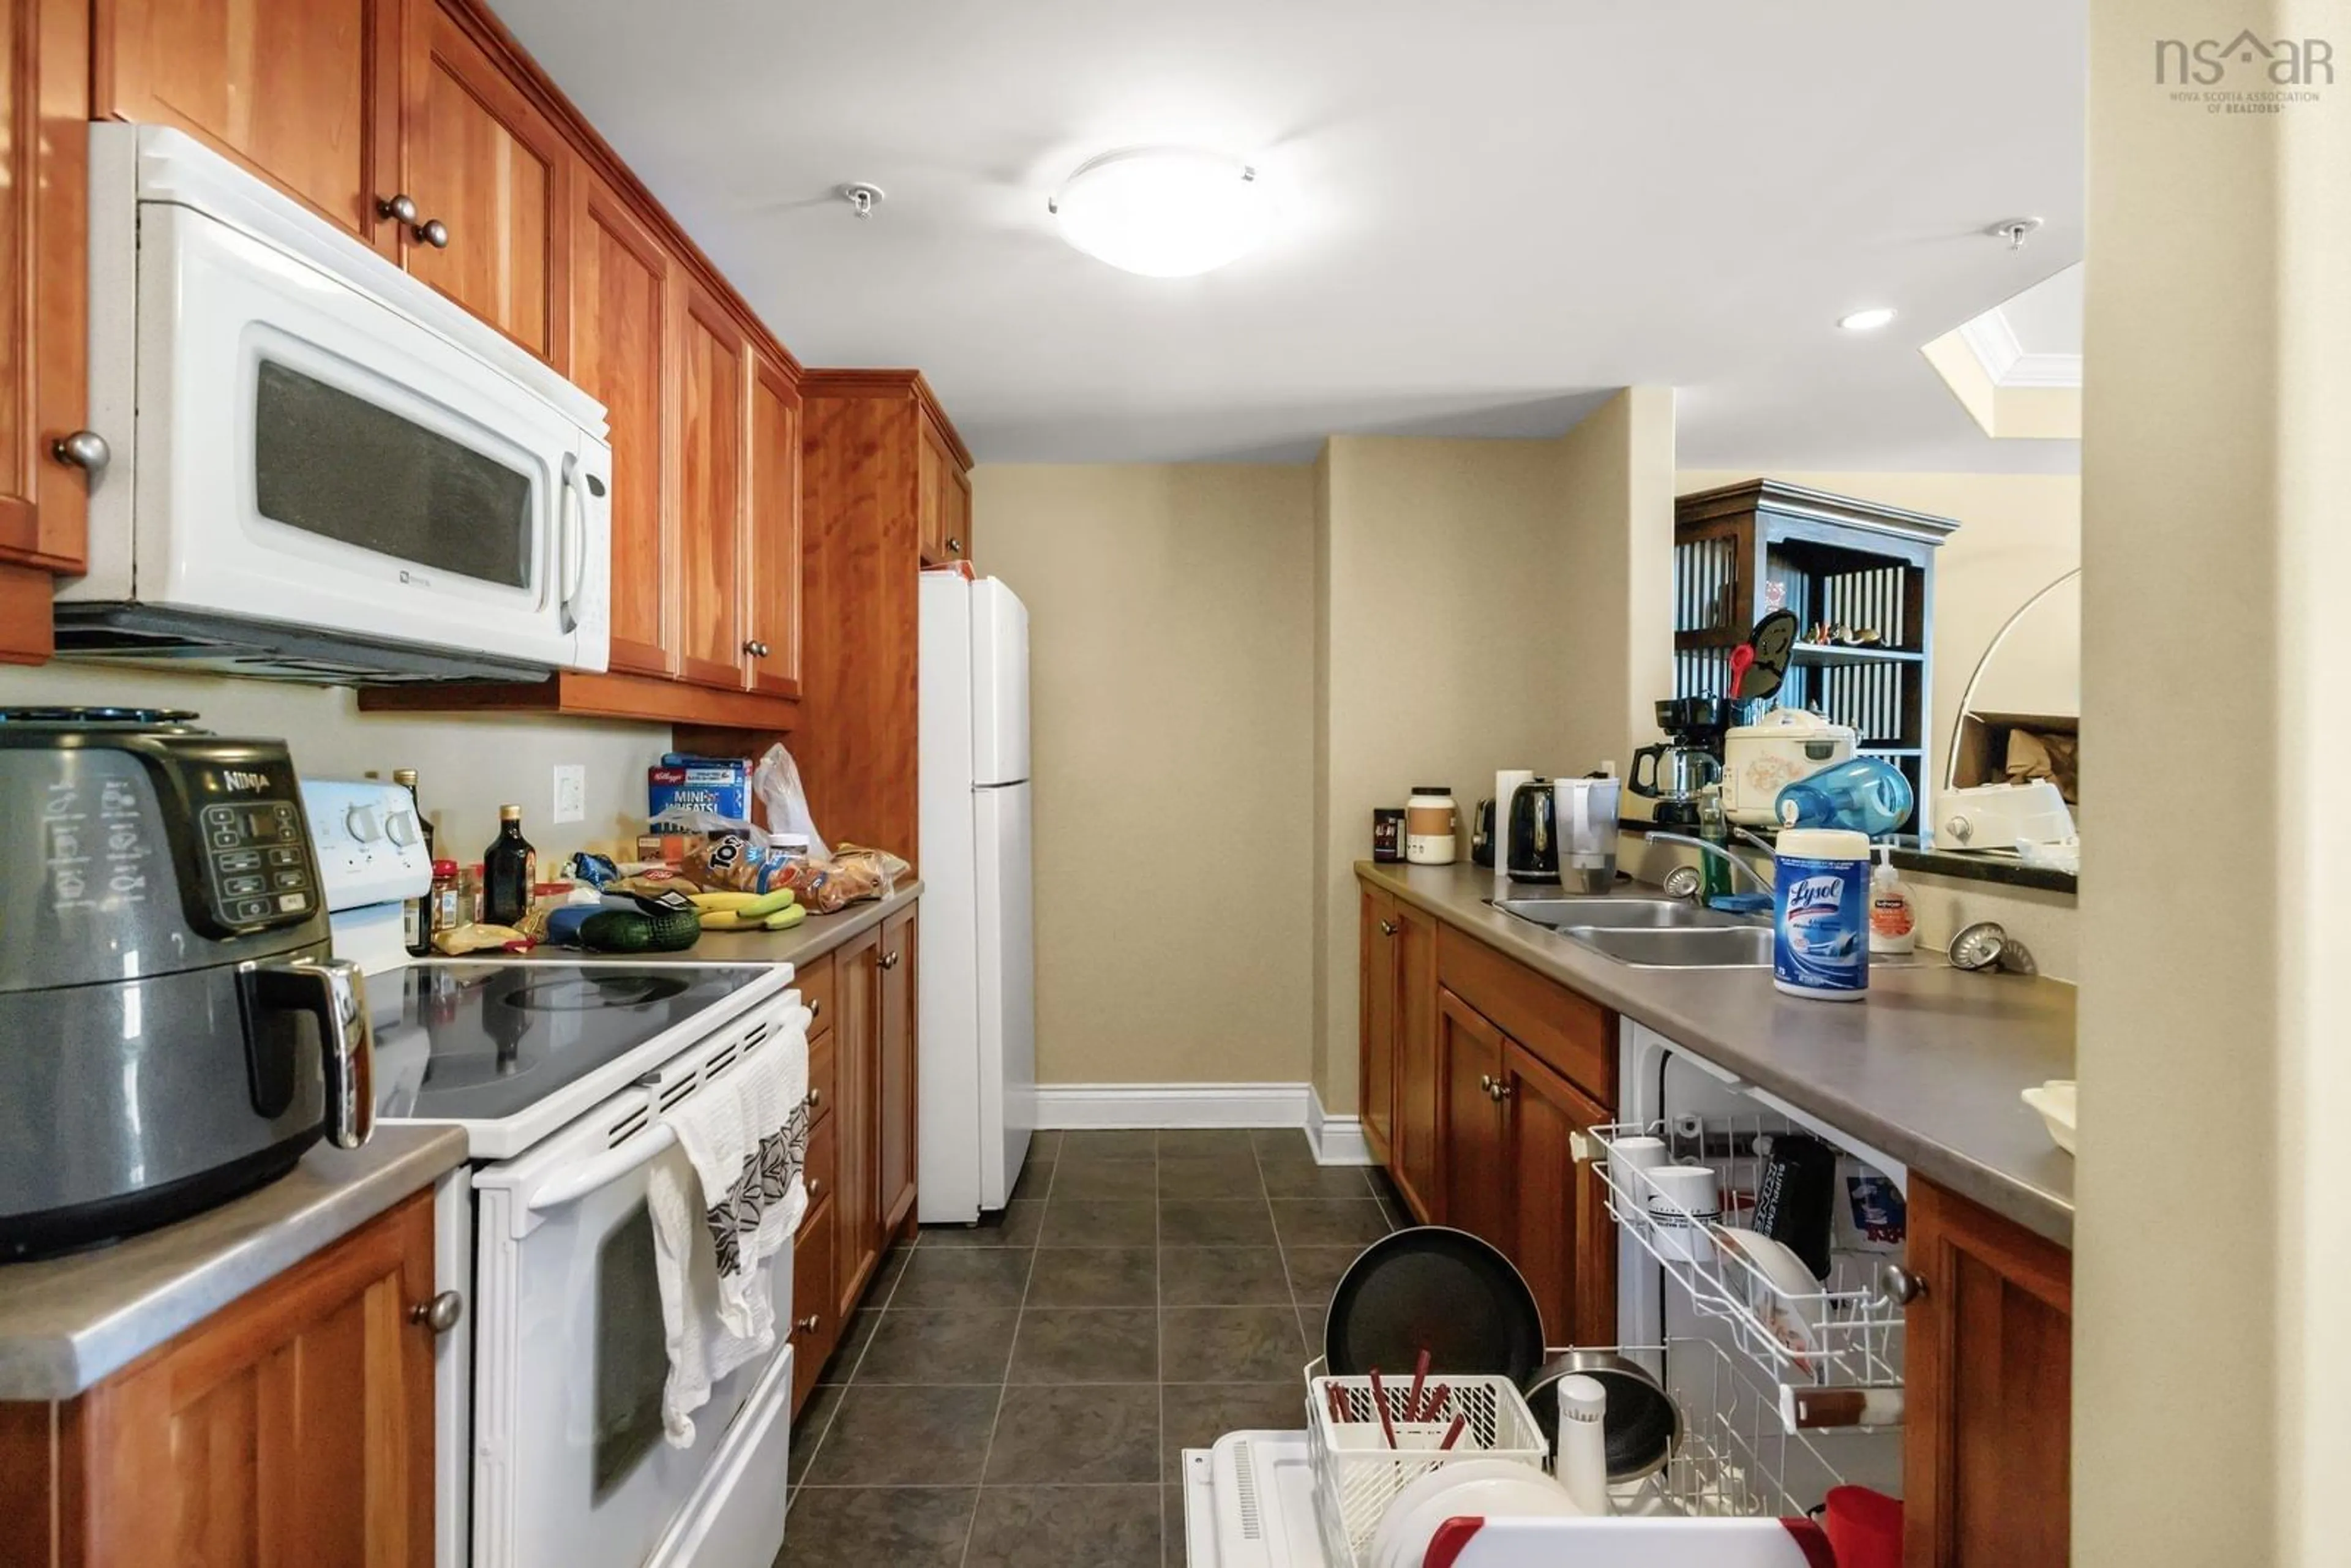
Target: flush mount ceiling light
pixel 1868 320
pixel 1164 211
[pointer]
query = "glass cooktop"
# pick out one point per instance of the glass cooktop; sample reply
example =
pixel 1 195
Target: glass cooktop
pixel 479 1042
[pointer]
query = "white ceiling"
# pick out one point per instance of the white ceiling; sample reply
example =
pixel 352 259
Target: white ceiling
pixel 1495 209
pixel 2046 318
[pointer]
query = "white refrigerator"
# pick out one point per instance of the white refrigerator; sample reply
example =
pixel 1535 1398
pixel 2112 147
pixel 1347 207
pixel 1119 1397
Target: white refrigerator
pixel 978 1024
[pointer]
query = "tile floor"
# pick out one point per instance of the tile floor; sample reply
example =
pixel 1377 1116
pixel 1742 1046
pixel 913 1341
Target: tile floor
pixel 1021 1394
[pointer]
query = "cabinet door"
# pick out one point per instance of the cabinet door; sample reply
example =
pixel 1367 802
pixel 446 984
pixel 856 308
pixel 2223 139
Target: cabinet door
pixel 956 513
pixel 816 1309
pixel 305 93
pixel 1561 1238
pixel 773 520
pixel 857 1071
pixel 894 1136
pixel 294 1425
pixel 1414 1135
pixel 713 365
pixel 480 161
pixel 620 351
pixel 45 280
pixel 932 462
pixel 1469 1064
pixel 1989 1389
pixel 1376 1070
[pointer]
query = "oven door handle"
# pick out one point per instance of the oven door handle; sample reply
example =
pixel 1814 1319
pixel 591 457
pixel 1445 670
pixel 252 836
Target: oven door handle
pixel 581 1180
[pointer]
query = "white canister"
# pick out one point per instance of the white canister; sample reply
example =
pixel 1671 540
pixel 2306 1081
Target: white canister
pixel 1429 823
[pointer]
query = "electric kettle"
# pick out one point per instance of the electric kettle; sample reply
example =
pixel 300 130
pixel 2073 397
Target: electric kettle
pixel 1530 838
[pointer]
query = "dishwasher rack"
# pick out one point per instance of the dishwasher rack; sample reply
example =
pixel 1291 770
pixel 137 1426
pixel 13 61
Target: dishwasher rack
pixel 1846 1336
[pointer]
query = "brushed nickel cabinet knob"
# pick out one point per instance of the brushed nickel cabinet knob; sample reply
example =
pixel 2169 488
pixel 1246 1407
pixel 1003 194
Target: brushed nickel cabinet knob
pixel 433 232
pixel 84 449
pixel 440 1314
pixel 400 208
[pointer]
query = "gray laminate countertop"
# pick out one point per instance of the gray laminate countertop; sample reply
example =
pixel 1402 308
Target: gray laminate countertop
pixel 68 1322
pixel 810 940
pixel 1928 1069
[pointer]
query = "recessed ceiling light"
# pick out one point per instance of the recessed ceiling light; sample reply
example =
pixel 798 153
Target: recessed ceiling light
pixel 1868 320
pixel 1164 211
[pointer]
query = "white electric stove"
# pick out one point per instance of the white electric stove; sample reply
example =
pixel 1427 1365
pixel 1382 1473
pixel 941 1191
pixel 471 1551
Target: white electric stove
pixel 549 1439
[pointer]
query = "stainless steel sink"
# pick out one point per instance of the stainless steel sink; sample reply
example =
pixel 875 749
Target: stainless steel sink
pixel 1650 914
pixel 1720 947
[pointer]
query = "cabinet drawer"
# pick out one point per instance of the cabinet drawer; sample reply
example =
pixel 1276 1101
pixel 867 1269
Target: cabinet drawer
pixel 818 1169
pixel 821 1085
pixel 1571 1034
pixel 815 1328
pixel 815 983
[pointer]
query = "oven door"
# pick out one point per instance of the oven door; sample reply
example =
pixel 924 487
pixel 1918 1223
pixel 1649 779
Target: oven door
pixel 305 453
pixel 571 1464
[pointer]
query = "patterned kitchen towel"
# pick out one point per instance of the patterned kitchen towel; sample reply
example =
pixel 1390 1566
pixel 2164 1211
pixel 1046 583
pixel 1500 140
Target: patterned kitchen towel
pixel 724 1203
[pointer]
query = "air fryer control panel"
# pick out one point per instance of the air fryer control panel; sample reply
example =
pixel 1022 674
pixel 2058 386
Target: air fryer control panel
pixel 254 854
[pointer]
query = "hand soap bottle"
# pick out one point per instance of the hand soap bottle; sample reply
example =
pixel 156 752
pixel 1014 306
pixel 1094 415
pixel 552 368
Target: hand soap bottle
pixel 1893 917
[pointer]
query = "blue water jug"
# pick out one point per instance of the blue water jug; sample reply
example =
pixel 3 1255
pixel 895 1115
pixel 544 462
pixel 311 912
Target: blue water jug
pixel 1865 795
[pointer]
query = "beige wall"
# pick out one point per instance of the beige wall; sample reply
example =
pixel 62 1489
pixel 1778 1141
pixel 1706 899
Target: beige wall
pixel 2215 1084
pixel 1474 599
pixel 1172 684
pixel 2017 533
pixel 467 765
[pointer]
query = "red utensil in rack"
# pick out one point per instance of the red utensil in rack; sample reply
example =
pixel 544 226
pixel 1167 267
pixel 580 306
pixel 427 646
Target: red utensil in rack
pixel 1419 1375
pixel 1380 1403
pixel 1453 1432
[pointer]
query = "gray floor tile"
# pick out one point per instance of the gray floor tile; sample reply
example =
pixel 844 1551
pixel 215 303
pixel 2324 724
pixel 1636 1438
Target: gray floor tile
pixel 1230 1344
pixel 1065 1527
pixel 1189 1177
pixel 1087 1344
pixel 1330 1221
pixel 1092 1178
pixel 964 1279
pixel 1016 1227
pixel 1116 1144
pixel 913 1346
pixel 842 1363
pixel 808 1432
pixel 1286 1178
pixel 1173 1550
pixel 1315 1271
pixel 1194 1415
pixel 1222 1277
pixel 1045 1144
pixel 1035 1180
pixel 1075 1435
pixel 1100 1222
pixel 885 1274
pixel 878 1527
pixel 906 1436
pixel 1310 1323
pixel 1094 1277
pixel 1281 1143
pixel 1206 1142
pixel 1216 1223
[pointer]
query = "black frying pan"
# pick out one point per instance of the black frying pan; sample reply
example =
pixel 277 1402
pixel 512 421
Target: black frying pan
pixel 1438 1290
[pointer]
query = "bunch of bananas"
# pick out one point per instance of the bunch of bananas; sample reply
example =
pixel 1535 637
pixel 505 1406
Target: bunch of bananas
pixel 777 911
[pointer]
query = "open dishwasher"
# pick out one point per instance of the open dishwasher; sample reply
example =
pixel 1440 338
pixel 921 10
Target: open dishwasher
pixel 1784 1393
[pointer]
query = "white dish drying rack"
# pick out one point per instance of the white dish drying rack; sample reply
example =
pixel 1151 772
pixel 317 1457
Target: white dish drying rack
pixel 1845 1335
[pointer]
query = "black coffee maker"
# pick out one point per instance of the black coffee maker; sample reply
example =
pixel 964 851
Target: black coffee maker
pixel 1689 761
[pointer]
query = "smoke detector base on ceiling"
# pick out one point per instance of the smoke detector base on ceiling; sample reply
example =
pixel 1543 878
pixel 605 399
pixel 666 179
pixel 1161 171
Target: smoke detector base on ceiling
pixel 862 197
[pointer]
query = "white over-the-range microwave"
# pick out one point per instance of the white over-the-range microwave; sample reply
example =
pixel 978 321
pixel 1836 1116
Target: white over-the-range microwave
pixel 309 465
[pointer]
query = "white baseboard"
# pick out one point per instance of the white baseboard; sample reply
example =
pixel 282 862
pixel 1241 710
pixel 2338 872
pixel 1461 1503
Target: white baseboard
pixel 1173 1104
pixel 1337 1140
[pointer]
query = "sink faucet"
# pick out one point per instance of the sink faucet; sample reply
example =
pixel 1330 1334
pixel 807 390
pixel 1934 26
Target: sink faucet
pixel 1709 847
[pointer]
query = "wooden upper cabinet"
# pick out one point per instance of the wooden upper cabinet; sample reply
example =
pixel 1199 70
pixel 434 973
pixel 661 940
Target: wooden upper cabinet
pixel 713 365
pixel 621 352
pixel 773 622
pixel 304 93
pixel 943 499
pixel 479 159
pixel 45 280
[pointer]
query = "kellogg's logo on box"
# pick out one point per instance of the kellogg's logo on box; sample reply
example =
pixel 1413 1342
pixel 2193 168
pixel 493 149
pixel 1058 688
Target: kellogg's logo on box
pixel 715 786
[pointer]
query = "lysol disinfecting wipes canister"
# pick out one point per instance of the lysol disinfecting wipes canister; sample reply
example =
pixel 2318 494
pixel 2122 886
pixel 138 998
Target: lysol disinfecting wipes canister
pixel 1821 905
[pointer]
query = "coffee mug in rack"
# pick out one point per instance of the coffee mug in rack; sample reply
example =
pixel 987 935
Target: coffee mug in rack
pixel 1632 1159
pixel 1683 1201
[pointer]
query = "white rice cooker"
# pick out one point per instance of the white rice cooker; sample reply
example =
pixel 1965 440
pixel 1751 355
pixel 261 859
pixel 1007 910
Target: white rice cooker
pixel 1759 759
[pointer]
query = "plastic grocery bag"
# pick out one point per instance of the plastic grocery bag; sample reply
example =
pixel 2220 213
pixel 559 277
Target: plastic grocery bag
pixel 777 783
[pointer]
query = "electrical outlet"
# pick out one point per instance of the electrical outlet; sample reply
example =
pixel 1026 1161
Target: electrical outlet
pixel 570 795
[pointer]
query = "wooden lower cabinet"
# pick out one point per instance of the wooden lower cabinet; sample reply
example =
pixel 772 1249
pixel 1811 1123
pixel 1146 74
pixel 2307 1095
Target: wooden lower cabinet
pixel 1414 1164
pixel 295 1426
pixel 1988 1383
pixel 1468 1055
pixel 897 1109
pixel 816 1310
pixel 1376 1011
pixel 871 990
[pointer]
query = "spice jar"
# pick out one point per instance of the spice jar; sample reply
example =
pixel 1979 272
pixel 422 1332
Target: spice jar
pixel 1429 823
pixel 442 903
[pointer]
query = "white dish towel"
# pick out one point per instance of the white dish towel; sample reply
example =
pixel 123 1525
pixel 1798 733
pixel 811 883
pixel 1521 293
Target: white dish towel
pixel 724 1203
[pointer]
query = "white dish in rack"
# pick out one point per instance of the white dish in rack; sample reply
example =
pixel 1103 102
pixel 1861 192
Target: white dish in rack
pixel 1475 1489
pixel 2055 1101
